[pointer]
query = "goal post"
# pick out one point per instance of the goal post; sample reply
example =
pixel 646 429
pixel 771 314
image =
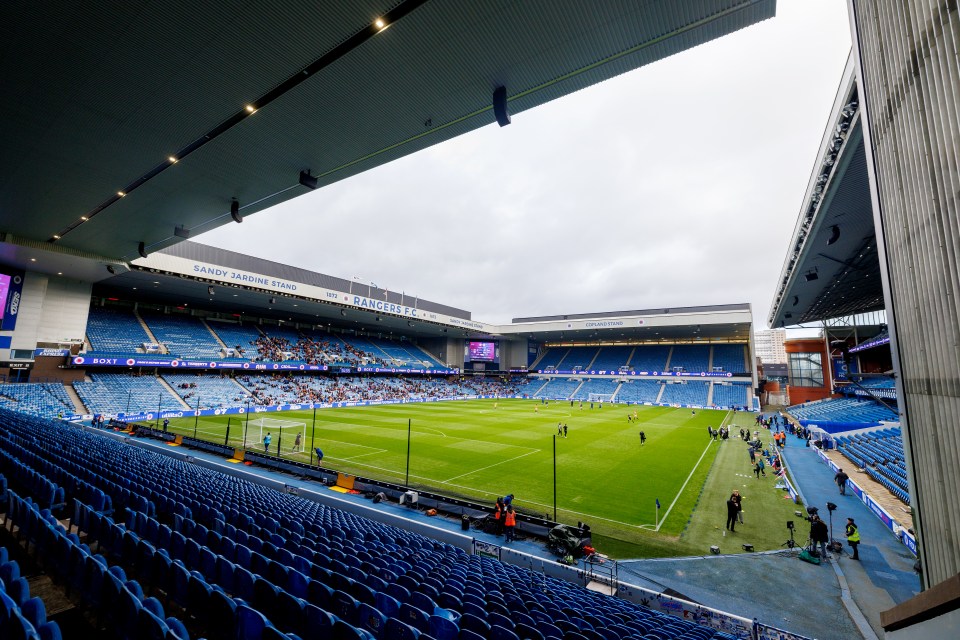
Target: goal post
pixel 600 397
pixel 286 430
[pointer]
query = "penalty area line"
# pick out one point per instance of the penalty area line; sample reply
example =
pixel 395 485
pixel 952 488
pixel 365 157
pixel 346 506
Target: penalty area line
pixel 522 455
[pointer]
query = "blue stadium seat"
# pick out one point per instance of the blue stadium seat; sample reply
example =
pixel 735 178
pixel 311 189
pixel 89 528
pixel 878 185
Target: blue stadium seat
pixel 397 630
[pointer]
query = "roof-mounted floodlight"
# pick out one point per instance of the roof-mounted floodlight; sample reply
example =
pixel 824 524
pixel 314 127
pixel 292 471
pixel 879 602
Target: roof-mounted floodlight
pixel 307 180
pixel 500 106
pixel 834 234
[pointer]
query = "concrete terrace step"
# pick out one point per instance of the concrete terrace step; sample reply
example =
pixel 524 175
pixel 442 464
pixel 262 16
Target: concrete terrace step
pixel 78 405
pixel 172 391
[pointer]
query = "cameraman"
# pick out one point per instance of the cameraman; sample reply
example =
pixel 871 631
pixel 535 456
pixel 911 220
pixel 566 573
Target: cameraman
pixel 819 534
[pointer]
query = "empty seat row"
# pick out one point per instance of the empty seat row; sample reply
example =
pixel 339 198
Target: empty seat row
pixel 270 564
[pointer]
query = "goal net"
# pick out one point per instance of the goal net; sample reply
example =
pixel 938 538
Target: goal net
pixel 291 434
pixel 601 397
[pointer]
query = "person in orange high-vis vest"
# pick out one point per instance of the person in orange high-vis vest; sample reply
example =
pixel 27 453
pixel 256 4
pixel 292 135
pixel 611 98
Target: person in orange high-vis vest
pixel 510 522
pixel 498 517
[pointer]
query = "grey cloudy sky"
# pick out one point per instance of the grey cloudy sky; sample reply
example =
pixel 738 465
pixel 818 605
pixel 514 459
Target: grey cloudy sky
pixel 676 184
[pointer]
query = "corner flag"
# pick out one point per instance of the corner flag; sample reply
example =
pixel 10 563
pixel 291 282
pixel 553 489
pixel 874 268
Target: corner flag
pixel 658 503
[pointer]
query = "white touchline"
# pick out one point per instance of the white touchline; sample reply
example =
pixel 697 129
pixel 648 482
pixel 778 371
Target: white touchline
pixel 523 455
pixel 372 453
pixel 680 493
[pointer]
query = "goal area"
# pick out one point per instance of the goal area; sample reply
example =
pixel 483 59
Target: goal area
pixel 291 435
pixel 600 397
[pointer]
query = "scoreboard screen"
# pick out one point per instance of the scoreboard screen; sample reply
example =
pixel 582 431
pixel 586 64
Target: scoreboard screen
pixel 482 351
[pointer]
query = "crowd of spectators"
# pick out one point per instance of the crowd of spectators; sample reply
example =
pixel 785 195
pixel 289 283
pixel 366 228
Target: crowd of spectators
pixel 322 350
pixel 290 389
pixel 187 385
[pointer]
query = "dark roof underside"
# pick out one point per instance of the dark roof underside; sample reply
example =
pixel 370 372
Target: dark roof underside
pixel 841 278
pixel 98 96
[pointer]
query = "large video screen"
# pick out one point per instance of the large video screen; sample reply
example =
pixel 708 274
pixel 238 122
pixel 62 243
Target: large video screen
pixel 482 351
pixel 4 288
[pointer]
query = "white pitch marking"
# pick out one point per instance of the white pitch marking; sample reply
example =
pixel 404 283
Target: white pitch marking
pixel 679 493
pixel 372 453
pixel 523 455
pixel 422 429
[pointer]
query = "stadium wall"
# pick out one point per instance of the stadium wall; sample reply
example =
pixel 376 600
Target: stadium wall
pixel 449 350
pixel 800 394
pixel 909 78
pixel 513 354
pixel 51 310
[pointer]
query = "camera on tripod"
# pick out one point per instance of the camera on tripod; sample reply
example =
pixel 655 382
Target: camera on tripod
pixel 811 512
pixel 791 543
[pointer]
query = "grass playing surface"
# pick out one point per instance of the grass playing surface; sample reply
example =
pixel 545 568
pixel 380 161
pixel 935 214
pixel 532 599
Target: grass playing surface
pixel 472 449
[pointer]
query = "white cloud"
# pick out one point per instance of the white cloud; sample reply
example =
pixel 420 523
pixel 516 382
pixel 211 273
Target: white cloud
pixel 676 184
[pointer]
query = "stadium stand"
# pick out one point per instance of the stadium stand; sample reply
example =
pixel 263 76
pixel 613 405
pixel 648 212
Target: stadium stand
pixel 686 393
pixel 843 411
pixel 117 331
pixel 881 387
pixel 729 357
pixel 880 454
pixel 691 357
pixel 277 344
pixel 236 336
pixel 330 349
pixel 184 336
pixel 286 389
pixel 212 391
pixel 36 398
pixel 245 561
pixel 736 394
pixel 113 393
pixel 884 382
pixel 366 351
pixel 559 388
pixel 650 358
pixel 119 335
pixel 530 386
pixel 639 390
pixel 578 358
pixel 551 358
pixel 404 354
pixel 595 385
pixel 611 358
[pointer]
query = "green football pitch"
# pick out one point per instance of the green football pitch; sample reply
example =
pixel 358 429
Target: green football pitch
pixel 481 449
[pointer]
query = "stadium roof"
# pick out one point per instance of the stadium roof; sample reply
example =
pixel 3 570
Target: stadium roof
pixel 131 122
pixel 720 322
pixel 832 268
pixel 194 276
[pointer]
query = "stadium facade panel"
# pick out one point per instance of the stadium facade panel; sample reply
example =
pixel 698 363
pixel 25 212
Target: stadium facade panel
pixel 907 68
